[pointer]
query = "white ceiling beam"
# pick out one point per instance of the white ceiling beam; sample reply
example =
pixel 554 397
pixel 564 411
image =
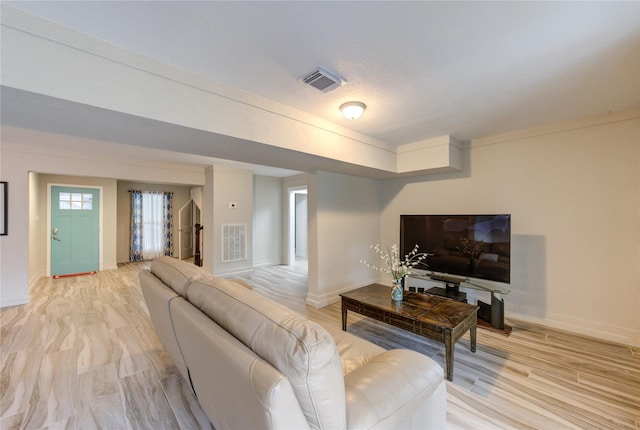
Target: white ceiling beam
pixel 43 58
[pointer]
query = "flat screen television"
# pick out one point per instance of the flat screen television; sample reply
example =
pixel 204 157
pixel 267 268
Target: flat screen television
pixel 469 246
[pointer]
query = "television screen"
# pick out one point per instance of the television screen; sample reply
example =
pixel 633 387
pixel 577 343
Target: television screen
pixel 470 246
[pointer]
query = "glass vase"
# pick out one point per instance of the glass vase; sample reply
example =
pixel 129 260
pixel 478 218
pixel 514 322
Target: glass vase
pixel 397 291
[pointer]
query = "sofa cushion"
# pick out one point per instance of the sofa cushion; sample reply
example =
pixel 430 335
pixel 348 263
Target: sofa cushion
pixel 409 375
pixel 354 351
pixel 301 350
pixel 236 388
pixel 176 274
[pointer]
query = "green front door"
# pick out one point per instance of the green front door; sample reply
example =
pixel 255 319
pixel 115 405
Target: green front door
pixel 75 230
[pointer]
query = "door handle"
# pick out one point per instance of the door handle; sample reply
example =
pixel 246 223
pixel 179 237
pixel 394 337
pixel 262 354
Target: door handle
pixel 54 235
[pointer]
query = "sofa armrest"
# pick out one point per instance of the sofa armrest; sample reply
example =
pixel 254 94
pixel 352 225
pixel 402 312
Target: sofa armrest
pixel 395 389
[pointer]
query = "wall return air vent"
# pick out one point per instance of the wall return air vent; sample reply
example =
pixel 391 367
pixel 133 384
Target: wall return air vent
pixel 322 80
pixel 234 242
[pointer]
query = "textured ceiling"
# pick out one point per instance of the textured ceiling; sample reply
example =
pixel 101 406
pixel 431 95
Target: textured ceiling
pixel 424 69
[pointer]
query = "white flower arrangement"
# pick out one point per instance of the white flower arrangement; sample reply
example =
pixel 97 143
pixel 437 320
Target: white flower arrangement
pixel 391 263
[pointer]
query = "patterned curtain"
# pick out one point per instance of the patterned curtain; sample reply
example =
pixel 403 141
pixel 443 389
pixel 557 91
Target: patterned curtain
pixel 135 244
pixel 151 225
pixel 167 203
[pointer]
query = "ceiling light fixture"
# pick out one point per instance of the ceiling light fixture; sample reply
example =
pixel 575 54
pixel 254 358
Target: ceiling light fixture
pixel 352 110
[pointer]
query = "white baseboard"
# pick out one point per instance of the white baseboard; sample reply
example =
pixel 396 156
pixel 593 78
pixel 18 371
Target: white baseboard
pixel 320 301
pixel 593 329
pixel 14 302
pixel 265 263
pixel 228 273
pixel 23 300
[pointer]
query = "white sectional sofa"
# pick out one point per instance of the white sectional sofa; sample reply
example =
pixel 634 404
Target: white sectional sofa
pixel 254 364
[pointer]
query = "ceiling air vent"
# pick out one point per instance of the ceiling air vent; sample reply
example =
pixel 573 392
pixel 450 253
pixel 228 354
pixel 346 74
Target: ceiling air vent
pixel 322 80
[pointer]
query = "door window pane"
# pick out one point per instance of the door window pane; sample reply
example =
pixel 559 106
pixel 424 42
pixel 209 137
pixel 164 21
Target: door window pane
pixel 75 201
pixel 87 201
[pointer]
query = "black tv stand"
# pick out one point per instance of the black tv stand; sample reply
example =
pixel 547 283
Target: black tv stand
pixel 450 292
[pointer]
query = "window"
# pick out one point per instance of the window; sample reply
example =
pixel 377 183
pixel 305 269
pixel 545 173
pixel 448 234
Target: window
pixel 151 225
pixel 75 201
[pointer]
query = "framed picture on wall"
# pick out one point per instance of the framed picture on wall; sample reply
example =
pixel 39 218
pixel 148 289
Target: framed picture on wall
pixel 4 200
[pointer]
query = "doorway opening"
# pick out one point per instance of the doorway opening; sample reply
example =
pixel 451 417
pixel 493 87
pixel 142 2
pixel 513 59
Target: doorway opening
pixel 298 243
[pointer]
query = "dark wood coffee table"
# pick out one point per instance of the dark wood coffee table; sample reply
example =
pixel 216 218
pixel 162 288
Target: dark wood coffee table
pixel 432 317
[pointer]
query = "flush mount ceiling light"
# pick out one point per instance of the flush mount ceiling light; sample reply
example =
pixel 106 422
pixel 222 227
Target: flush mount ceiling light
pixel 352 110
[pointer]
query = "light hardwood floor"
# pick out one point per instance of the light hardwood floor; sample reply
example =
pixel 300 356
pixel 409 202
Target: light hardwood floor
pixel 83 355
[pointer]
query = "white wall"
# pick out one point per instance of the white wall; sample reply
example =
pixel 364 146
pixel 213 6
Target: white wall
pixel 300 225
pixel 14 253
pixel 196 196
pixel 573 191
pixel 36 252
pixel 344 220
pixel 230 185
pixel 267 221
